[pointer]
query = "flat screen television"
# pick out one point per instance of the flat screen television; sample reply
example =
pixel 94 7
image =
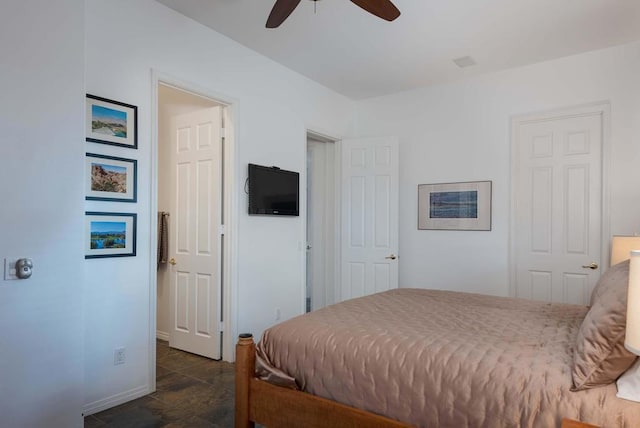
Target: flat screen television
pixel 273 191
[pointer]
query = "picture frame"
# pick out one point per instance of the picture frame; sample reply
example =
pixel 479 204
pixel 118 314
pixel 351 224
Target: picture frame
pixel 111 122
pixel 110 178
pixel 109 234
pixel 455 206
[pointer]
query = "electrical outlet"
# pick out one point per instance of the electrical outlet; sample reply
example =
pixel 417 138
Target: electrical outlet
pixel 278 315
pixel 119 356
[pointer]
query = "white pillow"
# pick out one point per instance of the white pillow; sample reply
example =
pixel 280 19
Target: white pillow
pixel 629 383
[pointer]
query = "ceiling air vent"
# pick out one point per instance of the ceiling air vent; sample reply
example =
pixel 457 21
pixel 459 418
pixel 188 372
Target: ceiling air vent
pixel 465 61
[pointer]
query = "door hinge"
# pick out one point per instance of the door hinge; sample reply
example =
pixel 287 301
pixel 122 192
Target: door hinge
pixel 220 326
pixel 221 229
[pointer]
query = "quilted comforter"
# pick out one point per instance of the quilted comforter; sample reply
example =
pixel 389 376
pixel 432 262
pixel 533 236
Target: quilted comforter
pixel 444 359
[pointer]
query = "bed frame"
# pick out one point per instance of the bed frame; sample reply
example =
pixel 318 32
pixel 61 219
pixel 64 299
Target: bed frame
pixel 274 406
pixel 258 401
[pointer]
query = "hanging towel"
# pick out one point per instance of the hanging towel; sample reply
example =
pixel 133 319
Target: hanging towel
pixel 163 238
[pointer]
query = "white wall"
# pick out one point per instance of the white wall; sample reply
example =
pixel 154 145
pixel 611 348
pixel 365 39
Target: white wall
pixel 460 132
pixel 124 41
pixel 41 187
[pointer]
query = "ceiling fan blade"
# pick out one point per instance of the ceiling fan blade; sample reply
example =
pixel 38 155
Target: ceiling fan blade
pixel 381 8
pixel 281 11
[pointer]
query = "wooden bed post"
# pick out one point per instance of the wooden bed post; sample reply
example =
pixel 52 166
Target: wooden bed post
pixel 245 369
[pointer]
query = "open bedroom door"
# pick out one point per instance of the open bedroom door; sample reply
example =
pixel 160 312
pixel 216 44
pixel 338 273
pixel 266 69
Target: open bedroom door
pixel 369 216
pixel 195 254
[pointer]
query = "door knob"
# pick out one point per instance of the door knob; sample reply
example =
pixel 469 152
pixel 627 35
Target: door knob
pixel 24 268
pixel 592 266
pixel 391 257
pixel 172 261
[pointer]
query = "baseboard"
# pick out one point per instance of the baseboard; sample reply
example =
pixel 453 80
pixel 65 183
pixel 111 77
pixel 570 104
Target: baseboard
pixel 162 335
pixel 116 400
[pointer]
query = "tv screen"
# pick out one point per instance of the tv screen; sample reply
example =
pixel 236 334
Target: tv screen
pixel 273 191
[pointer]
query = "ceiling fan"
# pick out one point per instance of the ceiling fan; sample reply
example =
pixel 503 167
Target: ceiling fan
pixel 381 8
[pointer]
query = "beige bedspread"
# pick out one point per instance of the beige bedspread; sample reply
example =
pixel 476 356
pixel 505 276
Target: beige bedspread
pixel 445 359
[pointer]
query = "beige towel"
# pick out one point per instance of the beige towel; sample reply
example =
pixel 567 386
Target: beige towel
pixel 163 238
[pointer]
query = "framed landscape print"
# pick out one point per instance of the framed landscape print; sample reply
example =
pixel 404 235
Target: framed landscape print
pixel 455 206
pixel 110 178
pixel 111 122
pixel 109 235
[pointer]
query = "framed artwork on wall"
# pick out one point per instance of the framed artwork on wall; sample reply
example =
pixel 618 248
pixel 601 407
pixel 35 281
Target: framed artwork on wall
pixel 110 178
pixel 111 122
pixel 455 206
pixel 109 234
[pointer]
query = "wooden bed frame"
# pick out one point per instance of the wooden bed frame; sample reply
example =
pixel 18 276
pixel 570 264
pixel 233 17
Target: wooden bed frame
pixel 274 406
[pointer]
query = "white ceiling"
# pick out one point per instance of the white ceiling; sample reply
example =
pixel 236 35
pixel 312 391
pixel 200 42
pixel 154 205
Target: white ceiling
pixel 358 55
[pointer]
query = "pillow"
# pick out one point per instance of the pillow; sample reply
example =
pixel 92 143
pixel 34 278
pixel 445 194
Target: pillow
pixel 600 356
pixel 621 273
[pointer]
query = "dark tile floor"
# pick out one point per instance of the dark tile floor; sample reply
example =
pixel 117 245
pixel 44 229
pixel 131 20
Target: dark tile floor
pixel 191 391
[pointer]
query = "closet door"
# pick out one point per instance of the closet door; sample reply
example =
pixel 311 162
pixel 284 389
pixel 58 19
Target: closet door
pixel 369 241
pixel 558 206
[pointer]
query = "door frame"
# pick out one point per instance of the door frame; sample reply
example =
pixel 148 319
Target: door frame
pixel 326 138
pixel 600 107
pixel 230 215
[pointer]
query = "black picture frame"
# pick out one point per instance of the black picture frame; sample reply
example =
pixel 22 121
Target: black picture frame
pixel 101 227
pixel 111 122
pixel 110 178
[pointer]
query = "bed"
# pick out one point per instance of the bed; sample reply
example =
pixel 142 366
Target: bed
pixel 429 358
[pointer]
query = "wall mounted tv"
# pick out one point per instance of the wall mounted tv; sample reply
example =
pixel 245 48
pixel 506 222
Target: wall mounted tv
pixel 273 191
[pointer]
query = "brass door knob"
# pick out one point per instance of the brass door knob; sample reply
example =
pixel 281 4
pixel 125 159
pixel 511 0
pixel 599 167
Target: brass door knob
pixel 592 266
pixel 172 262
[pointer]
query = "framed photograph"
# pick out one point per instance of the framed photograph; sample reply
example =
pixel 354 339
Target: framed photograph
pixel 109 235
pixel 455 206
pixel 110 178
pixel 111 122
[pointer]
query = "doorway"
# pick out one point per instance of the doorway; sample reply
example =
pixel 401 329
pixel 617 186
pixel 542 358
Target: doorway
pixel 352 218
pixel 322 225
pixel 194 212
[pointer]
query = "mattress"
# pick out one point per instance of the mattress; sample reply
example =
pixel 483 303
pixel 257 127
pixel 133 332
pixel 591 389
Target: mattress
pixel 443 359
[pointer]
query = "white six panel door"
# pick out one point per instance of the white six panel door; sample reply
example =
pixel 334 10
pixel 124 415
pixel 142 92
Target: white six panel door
pixel 558 208
pixel 369 216
pixel 194 232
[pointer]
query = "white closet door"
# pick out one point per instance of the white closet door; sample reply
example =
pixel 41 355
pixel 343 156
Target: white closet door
pixel 369 247
pixel 558 207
